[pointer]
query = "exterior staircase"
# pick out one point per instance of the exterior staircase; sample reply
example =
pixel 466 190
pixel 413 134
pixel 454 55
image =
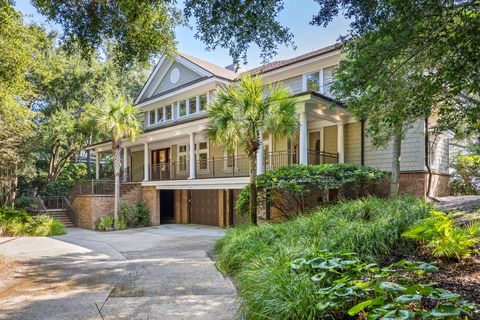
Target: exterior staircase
pixel 56 207
pixel 61 215
pixel 130 192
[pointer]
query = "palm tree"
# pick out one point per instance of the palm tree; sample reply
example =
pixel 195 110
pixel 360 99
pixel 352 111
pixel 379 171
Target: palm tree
pixel 241 113
pixel 119 121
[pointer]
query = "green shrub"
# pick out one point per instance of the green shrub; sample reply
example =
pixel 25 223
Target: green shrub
pixel 288 188
pixel 105 223
pixel 260 257
pixel 135 216
pixel 25 202
pixel 20 223
pixel 344 286
pixel 440 234
pixel 466 179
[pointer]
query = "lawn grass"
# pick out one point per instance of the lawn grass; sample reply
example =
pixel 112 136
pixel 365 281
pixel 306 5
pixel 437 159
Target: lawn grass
pixel 259 257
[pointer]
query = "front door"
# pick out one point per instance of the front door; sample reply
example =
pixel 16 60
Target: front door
pixel 160 164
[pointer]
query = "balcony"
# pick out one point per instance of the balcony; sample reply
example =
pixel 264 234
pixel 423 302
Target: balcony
pixel 231 167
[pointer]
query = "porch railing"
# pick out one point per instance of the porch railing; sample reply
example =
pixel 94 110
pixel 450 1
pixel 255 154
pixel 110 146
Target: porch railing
pixel 232 166
pixel 93 187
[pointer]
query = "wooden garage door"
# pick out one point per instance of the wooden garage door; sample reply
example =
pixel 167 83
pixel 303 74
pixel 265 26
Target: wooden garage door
pixel 204 207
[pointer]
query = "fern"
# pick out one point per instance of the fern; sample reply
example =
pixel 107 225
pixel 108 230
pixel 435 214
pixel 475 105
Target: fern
pixel 444 238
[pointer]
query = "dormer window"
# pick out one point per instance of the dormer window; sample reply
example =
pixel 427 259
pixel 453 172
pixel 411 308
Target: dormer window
pixel 182 108
pixel 203 102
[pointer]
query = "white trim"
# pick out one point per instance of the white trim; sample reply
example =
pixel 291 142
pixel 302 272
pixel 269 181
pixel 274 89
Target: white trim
pixel 321 89
pixel 301 63
pixel 182 90
pixel 196 184
pixel 193 66
pixel 150 79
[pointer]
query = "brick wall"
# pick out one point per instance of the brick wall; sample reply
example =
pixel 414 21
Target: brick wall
pixel 151 197
pixel 88 209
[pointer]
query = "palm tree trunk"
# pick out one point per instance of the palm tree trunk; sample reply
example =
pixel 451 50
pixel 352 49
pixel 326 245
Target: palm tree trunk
pixel 116 168
pixel 396 154
pixel 253 188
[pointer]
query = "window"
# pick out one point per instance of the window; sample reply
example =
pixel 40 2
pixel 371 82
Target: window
pixel 151 117
pixel 192 103
pixel 202 154
pixel 230 159
pixel 182 108
pixel 160 115
pixel 328 74
pixel 203 102
pixel 182 158
pixel 168 113
pixel 313 81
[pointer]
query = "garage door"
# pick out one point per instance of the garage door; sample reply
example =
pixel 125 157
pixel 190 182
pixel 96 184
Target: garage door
pixel 204 207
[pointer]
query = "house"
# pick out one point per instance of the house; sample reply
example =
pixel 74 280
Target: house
pixel 185 179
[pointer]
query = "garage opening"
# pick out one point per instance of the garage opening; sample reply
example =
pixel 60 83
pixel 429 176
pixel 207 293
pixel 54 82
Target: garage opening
pixel 204 207
pixel 167 206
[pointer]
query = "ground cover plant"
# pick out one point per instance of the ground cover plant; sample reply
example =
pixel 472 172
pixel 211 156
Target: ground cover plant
pixel 260 258
pixel 20 223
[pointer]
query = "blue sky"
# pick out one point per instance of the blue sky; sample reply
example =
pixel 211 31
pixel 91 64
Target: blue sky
pixel 296 15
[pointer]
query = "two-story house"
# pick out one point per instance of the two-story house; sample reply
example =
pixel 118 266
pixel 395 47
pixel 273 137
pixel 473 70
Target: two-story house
pixel 185 179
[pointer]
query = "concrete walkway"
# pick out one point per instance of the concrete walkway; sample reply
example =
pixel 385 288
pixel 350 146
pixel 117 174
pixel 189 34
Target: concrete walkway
pixel 160 272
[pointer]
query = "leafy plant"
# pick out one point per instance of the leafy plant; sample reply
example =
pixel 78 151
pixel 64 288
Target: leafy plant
pixel 466 179
pixel 105 223
pixel 20 223
pixel 290 188
pixel 259 257
pixel 440 234
pixel 345 286
pixel 60 188
pixel 135 216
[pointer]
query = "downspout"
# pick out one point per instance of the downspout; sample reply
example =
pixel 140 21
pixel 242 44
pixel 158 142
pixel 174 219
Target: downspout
pixel 362 142
pixel 427 160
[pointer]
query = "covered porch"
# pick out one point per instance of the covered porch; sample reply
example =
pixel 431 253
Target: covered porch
pixel 182 152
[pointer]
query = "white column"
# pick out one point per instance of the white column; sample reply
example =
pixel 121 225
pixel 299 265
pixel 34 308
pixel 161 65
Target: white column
pixel 146 163
pixel 125 163
pixel 303 138
pixel 97 164
pixel 260 154
pixel 192 162
pixel 322 140
pixel 340 143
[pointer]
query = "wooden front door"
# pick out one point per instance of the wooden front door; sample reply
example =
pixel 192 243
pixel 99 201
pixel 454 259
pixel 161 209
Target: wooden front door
pixel 160 164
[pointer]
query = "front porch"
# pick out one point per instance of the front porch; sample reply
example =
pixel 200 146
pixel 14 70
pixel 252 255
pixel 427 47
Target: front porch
pixel 182 152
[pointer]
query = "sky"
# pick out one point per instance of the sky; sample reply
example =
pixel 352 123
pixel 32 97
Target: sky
pixel 296 15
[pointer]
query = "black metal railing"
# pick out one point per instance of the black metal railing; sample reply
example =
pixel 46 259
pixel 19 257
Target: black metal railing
pixel 93 187
pixel 132 175
pixel 231 166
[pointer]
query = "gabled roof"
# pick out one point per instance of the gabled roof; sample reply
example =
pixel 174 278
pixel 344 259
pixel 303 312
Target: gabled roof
pixel 210 67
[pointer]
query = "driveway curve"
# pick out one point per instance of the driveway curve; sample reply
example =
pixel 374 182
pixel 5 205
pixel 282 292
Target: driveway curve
pixel 162 272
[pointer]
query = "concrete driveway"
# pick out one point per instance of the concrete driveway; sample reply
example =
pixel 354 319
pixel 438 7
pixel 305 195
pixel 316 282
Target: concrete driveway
pixel 160 272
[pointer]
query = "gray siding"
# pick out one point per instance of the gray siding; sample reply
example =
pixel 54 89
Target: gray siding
pixel 186 76
pixel 439 153
pixel 413 151
pixel 295 84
